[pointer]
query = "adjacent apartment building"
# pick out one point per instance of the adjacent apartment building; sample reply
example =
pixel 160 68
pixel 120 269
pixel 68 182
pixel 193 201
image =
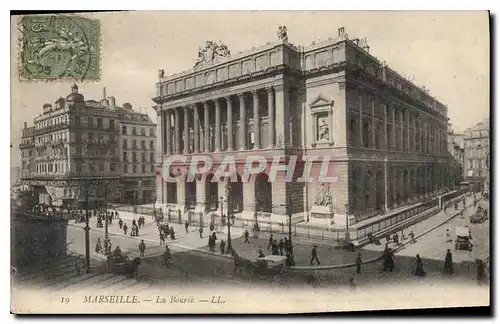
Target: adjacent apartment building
pixel 72 154
pixel 477 155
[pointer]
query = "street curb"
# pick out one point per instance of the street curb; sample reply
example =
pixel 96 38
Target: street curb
pixel 182 247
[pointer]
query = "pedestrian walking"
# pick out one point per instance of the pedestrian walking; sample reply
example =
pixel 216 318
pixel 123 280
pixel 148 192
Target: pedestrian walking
pixel 201 232
pixel 314 255
pixel 388 258
pixel 352 283
pixel 136 230
pixel 186 226
pixel 412 237
pixel 211 244
pixel 120 223
pixel 419 267
pixel 246 236
pixel 359 262
pixel 222 246
pixel 142 248
pixel 98 247
pixel 395 238
pixel 448 263
pixel 275 248
pixel 448 236
pixel 125 227
pixel 167 255
pixel 212 226
pixel 281 246
pixel 162 238
pixel 481 267
pixel 172 233
pixel 271 239
pixel 286 244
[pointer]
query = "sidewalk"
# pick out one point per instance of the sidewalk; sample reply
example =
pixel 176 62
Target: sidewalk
pixel 421 227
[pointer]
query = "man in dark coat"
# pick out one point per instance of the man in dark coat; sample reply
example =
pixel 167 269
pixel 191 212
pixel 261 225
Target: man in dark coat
pixel 246 236
pixel 186 226
pixel 314 255
pixel 142 248
pixel 120 223
pixel 448 263
pixel 271 240
pixel 419 267
pixel 281 246
pixel 275 248
pixel 359 262
pixel 201 232
pixel 222 246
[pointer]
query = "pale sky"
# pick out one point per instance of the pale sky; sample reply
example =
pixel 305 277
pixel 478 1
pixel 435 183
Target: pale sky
pixel 448 52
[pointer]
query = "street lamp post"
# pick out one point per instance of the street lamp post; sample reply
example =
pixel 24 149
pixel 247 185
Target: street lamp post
pixel 291 261
pixel 229 249
pixel 347 237
pixel 87 228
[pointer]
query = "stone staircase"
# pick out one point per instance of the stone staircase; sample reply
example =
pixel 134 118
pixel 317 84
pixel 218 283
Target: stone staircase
pixel 70 274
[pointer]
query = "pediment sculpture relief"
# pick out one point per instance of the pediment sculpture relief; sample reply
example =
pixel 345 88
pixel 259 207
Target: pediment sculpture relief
pixel 211 52
pixel 323 196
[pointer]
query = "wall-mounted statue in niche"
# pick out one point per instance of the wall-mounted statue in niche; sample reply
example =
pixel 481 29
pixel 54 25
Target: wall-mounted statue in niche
pixel 323 130
pixel 323 196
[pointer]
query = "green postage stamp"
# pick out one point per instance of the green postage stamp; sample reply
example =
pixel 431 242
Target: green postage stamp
pixel 58 47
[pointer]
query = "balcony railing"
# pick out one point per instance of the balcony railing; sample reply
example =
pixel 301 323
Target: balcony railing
pixel 50 129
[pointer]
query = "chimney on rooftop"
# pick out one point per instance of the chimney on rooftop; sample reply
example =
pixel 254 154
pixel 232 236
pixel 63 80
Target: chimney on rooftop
pixel 341 31
pixel 25 124
pixel 112 103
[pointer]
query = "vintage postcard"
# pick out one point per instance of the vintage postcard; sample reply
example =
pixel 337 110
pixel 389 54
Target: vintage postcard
pixel 249 162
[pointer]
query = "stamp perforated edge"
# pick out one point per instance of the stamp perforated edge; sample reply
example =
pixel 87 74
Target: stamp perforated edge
pixel 20 74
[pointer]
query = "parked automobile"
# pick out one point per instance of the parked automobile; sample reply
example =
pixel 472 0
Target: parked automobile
pixel 478 217
pixel 464 238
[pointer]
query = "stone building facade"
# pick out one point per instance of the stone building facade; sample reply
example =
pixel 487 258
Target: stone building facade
pixel 72 153
pixel 384 136
pixel 477 155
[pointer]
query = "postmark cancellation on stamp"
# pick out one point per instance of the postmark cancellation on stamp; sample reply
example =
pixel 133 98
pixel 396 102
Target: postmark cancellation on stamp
pixel 58 47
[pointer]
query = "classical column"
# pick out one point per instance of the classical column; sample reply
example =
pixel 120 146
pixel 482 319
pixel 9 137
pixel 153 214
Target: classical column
pixel 394 146
pixel 401 129
pixel 186 130
pixel 206 133
pixel 217 125
pixel 374 136
pixel 270 113
pixel 256 119
pixel 229 123
pixel 360 107
pixel 168 131
pixel 243 135
pixel 408 133
pixel 386 139
pixel 177 131
pixel 196 129
pixel 160 142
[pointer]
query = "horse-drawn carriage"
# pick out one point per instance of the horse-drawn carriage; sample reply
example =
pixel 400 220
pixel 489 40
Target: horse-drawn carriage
pixel 121 264
pixel 266 265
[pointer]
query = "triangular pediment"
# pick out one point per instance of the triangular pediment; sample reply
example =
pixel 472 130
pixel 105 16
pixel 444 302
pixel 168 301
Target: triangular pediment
pixel 320 101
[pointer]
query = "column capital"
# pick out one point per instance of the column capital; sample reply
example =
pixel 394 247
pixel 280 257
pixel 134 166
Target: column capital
pixel 205 103
pixel 241 95
pixel 254 92
pixel 217 103
pixel 270 89
pixel 228 98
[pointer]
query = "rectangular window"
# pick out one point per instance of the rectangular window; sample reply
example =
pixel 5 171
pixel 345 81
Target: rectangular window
pixel 101 167
pixel 90 122
pixel 143 131
pixel 151 132
pixel 151 145
pixel 152 168
pixel 125 168
pixel 471 164
pixel 134 156
pixel 77 120
pixel 134 168
pixel 134 144
pixel 143 168
pixel 143 157
pixel 124 130
pixel 152 157
pixel 143 145
pixel 125 144
pixel 480 164
pixel 134 131
pixel 112 167
pixel 124 156
pixel 111 124
pixel 99 123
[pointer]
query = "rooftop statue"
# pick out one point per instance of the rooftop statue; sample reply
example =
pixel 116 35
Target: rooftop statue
pixel 211 51
pixel 282 33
